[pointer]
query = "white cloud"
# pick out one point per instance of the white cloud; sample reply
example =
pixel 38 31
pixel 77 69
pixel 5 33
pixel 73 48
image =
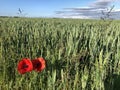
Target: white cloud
pixel 94 10
pixel 101 3
pixel 75 16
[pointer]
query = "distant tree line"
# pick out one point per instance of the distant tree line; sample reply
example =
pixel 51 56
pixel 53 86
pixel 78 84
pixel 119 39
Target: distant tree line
pixel 9 16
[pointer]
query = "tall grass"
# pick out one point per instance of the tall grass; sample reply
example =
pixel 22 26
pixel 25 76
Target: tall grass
pixel 80 54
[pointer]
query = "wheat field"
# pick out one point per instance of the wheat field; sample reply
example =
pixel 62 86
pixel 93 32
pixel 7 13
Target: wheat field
pixel 79 54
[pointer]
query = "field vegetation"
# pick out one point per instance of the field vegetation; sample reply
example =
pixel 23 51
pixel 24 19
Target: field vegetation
pixel 79 54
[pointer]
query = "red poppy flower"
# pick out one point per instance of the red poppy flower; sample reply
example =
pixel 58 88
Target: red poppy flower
pixel 38 64
pixel 25 65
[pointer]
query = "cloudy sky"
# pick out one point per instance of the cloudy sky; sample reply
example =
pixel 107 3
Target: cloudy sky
pixel 61 8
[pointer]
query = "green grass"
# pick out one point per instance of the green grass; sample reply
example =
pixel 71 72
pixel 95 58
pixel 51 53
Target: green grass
pixel 80 54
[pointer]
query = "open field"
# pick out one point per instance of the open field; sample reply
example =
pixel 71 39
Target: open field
pixel 80 54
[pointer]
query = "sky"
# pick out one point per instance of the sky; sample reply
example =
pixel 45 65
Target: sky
pixel 60 8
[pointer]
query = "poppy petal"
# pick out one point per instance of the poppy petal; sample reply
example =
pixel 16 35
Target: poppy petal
pixel 38 64
pixel 25 65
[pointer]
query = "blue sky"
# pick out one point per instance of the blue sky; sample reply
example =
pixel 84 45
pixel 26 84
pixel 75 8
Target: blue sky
pixel 55 8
